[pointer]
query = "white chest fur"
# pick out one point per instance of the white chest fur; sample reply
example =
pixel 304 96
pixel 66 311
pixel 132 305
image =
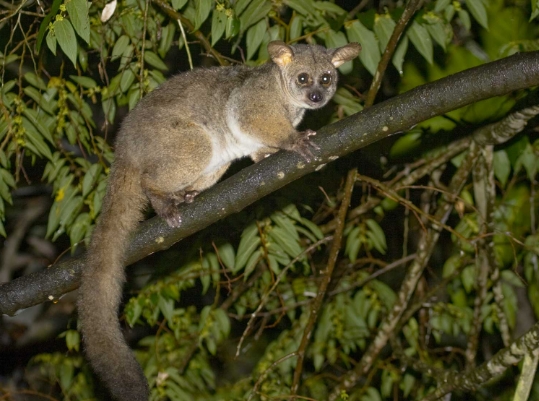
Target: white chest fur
pixel 235 144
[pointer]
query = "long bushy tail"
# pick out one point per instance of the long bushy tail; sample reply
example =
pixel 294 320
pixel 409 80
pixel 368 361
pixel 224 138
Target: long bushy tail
pixel 101 288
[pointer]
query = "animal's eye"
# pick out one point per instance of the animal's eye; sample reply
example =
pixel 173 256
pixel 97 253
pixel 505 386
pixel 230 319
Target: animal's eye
pixel 326 79
pixel 303 78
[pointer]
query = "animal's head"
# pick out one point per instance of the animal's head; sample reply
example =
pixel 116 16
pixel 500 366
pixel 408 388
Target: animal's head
pixel 309 72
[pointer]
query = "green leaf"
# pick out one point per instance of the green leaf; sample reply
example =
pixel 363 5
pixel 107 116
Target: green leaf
pixel 78 15
pixel 306 8
pixel 407 384
pixel 65 35
pixel 128 77
pixel 166 305
pixel 72 340
pixel 109 108
pixel 43 27
pixel 240 6
pixel 167 36
pixel 51 42
pixel 7 177
pixel 383 28
pixel 502 166
pixel 385 293
pixel 513 279
pixel 296 27
pixel 251 264
pixel 286 223
pixel 203 8
pixel 119 47
pixel 70 209
pixel 441 5
pixel 83 81
pixel 377 236
pixel 32 92
pixel 232 27
pixel 386 386
pixel 406 144
pixel 313 228
pixel 154 60
pixel 38 120
pixel 178 4
pixel 79 229
pixel 353 244
pixel 218 25
pixel 468 278
pixel 248 244
pixel 328 7
pixel 465 19
pixel 479 12
pixel 400 52
pixel 223 322
pixel 285 241
pixel 34 80
pixel 420 37
pixel 535 9
pixel 90 178
pixel 227 255
pixel 438 32
pixel 256 10
pixel 350 104
pixel 449 13
pixel 5 192
pixel 254 37
pixel 35 140
pixel 127 56
pixel 133 97
pixel 66 374
pixel 370 53
pixel 528 159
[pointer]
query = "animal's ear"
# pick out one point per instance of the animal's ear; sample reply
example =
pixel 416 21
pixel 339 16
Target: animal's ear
pixel 280 53
pixel 346 53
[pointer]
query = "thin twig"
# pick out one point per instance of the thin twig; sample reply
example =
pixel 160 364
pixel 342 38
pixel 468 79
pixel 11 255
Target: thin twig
pixel 424 251
pixel 409 11
pixel 186 44
pixel 191 28
pixel 326 278
pixel 268 293
pixel 509 356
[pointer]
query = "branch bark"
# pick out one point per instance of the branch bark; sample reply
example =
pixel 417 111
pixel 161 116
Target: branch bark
pixel 256 181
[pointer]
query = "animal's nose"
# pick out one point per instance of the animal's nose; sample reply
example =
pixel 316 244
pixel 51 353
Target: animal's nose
pixel 315 97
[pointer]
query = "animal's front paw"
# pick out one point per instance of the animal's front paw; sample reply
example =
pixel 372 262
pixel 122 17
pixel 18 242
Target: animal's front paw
pixel 304 146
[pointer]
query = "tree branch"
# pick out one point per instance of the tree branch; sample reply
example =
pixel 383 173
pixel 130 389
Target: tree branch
pixel 256 181
pixel 509 356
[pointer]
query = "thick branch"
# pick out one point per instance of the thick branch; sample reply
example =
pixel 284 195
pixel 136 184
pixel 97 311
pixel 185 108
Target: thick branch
pixel 254 182
pixel 509 356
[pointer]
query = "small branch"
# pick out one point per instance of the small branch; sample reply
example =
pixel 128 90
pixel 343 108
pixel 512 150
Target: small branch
pixel 509 356
pixel 326 279
pixel 254 391
pixel 424 250
pixel 189 26
pixel 525 382
pixel 268 293
pixel 409 11
pixel 483 185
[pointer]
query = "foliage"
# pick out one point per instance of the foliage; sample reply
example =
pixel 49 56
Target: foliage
pixel 226 321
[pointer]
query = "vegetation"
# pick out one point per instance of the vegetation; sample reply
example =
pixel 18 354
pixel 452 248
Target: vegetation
pixel 401 271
